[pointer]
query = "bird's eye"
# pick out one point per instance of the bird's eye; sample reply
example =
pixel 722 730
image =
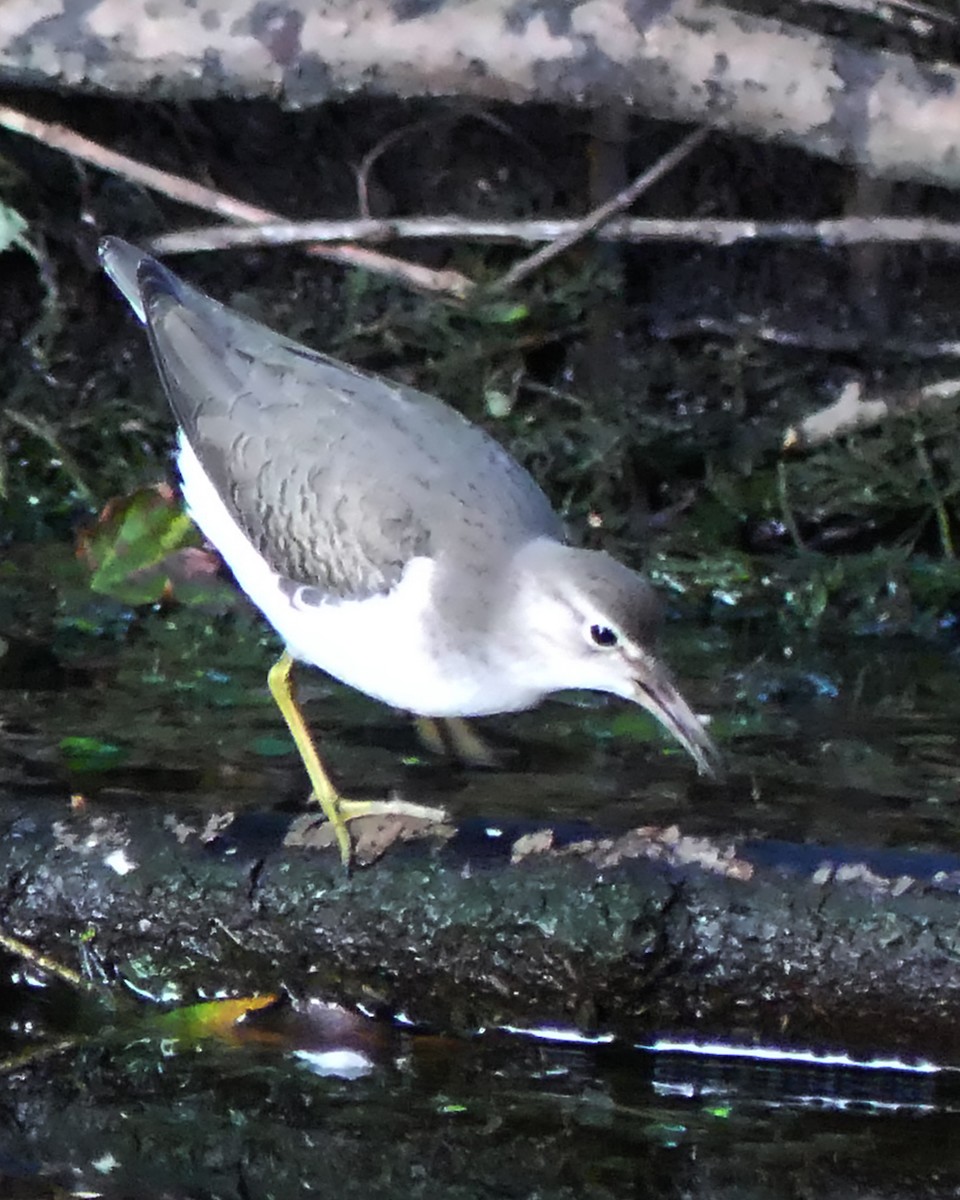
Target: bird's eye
pixel 603 635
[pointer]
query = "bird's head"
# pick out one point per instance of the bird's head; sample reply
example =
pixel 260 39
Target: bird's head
pixel 587 621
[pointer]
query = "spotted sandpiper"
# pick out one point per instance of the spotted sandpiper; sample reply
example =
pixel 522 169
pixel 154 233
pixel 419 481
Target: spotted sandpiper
pixel 386 539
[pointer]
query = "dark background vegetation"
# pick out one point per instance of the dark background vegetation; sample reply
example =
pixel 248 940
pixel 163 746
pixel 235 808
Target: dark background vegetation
pixel 649 388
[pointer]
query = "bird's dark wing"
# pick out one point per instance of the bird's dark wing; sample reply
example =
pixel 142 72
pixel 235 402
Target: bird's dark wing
pixel 338 477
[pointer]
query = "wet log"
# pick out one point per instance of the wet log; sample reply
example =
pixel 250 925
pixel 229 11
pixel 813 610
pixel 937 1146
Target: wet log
pixel 679 59
pixel 645 934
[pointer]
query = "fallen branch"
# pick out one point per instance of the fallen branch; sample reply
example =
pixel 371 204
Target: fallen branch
pixel 852 412
pixel 650 930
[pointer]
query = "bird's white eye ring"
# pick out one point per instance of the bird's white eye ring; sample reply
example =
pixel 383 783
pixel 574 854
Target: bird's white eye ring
pixel 604 637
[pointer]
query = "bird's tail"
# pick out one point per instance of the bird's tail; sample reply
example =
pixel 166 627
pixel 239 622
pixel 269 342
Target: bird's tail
pixel 121 262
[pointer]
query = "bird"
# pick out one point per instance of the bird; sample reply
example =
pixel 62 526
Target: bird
pixel 387 539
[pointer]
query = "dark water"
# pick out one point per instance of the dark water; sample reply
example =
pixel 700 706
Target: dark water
pixel 850 744
pixel 492 1117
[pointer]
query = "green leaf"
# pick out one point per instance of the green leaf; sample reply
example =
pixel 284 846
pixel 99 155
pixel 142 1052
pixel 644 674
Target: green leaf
pixel 498 403
pixel 637 725
pixel 138 539
pixel 501 312
pixel 212 1018
pixel 85 754
pixel 272 747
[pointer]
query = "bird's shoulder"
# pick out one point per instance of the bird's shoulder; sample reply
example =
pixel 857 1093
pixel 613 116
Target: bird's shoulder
pixel 339 477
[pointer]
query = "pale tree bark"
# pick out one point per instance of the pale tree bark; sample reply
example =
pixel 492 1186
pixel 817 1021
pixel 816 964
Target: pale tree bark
pixel 677 59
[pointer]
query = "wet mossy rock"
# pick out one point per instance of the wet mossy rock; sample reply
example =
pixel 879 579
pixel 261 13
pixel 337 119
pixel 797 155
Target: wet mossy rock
pixel 767 78
pixel 650 932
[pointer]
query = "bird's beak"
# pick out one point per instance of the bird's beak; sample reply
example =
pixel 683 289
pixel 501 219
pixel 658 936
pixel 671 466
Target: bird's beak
pixel 655 692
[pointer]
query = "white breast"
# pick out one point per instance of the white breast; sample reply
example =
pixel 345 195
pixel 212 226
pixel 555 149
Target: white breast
pixel 379 645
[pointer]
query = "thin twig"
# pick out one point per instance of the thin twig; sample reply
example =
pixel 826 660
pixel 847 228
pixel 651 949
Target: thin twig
pixel 601 214
pixel 59 137
pixel 885 10
pixel 450 117
pixel 43 962
pixel 37 1054
pixel 840 231
pixel 786 509
pixel 812 337
pixel 936 498
pixel 185 191
pixel 370 158
pixel 41 429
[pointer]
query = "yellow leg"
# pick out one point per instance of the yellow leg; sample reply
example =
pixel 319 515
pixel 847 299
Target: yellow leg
pixel 469 745
pixel 428 731
pixel 283 691
pixel 336 808
pixel 454 735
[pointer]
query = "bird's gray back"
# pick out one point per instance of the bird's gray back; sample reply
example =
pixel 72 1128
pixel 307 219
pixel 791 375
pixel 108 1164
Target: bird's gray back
pixel 338 477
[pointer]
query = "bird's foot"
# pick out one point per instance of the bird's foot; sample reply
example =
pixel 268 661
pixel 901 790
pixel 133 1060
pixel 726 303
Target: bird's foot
pixel 351 809
pixel 389 822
